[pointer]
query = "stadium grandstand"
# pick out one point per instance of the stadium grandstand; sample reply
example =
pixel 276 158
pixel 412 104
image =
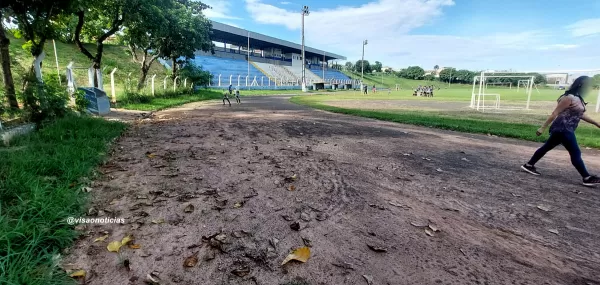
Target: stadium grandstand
pixel 255 61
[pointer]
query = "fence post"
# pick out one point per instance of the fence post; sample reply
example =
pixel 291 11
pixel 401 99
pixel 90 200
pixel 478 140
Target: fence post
pixel 230 77
pixel 185 83
pixel 153 84
pixel 112 85
pixel 262 78
pixel 165 83
pixel 239 80
pixel 219 80
pixel 175 83
pixel 246 80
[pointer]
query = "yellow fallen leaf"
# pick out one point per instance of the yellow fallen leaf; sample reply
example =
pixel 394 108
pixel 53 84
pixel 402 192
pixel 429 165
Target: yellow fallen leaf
pixel 78 273
pixel 301 254
pixel 151 155
pixel 126 240
pixel 238 205
pixel 102 238
pixel 114 246
pixel 135 246
pixel 158 221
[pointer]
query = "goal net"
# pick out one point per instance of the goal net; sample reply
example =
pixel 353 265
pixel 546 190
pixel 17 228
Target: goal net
pixel 493 91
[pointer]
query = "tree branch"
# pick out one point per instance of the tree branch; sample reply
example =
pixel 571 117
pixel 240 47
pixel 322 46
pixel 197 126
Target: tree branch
pixel 80 21
pixel 133 53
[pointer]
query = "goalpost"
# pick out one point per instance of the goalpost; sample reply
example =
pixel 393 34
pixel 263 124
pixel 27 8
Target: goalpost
pixel 478 99
pixel 507 84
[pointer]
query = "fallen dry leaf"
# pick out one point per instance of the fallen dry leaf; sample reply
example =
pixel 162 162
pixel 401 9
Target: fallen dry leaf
pixel 292 188
pixel 301 254
pixel 543 208
pixel 150 155
pixel 191 261
pixel 428 232
pixel 369 279
pixel 102 238
pixel 114 246
pixel 152 280
pixel 189 208
pixel 78 274
pixel 238 204
pixel 376 248
pixel 127 239
pixel 554 231
pixel 135 246
pixel 86 189
pixel 241 272
pixel 419 224
pixel 434 228
pixel 158 221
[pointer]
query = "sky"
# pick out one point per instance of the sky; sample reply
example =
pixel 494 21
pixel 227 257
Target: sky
pixel 520 35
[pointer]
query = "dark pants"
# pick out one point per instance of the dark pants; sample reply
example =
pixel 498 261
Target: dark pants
pixel 225 98
pixel 569 141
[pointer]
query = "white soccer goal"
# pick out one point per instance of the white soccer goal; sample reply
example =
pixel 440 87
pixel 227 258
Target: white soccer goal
pixel 482 100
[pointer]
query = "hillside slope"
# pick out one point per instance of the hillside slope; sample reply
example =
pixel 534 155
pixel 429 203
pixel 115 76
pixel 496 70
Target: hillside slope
pixel 113 56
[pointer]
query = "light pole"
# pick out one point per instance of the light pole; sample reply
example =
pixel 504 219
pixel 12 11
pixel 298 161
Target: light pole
pixel 305 12
pixel 362 66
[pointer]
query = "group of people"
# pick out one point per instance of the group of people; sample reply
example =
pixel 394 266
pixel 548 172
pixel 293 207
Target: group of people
pixel 226 95
pixel 426 91
pixel 366 88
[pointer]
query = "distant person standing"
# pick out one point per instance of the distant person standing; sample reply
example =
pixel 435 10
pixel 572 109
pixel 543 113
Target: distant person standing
pixel 226 97
pixel 374 89
pixel 237 95
pixel 565 119
pixel 365 89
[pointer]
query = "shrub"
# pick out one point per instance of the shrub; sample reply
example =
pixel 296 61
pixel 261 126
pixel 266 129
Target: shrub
pixel 195 74
pixel 44 101
pixel 81 103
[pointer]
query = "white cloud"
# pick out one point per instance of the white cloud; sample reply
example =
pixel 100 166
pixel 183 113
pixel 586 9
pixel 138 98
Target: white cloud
pixel 585 27
pixel 221 9
pixel 285 3
pixel 388 24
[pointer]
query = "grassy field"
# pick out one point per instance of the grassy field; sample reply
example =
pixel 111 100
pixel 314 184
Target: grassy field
pixel 390 81
pixel 449 110
pixel 41 176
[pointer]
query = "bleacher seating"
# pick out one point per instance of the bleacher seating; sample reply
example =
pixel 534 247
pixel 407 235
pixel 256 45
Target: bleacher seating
pixel 227 67
pixel 278 73
pixel 329 73
pixel 310 76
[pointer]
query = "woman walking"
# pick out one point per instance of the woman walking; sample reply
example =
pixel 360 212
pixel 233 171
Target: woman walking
pixel 565 119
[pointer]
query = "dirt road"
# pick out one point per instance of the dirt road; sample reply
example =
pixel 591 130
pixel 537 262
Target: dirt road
pixel 378 203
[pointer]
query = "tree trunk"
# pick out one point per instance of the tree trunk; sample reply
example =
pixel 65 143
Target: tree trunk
pixel 142 81
pixel 9 84
pixel 174 67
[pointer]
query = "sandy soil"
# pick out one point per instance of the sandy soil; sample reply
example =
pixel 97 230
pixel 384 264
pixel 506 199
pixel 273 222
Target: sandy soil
pixel 362 190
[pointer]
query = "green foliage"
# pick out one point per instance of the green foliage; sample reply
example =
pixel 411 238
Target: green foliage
pixel 596 81
pixel 44 101
pixel 349 66
pixel 412 72
pixel 195 74
pixel 40 177
pixel 429 77
pixel 358 67
pixel 377 66
pixel 81 103
pixel 448 74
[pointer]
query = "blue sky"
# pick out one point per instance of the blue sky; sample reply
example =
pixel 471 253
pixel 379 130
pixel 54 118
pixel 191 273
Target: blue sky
pixel 523 35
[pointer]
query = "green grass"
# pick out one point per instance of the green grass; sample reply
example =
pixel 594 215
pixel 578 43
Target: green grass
pixel 390 81
pixel 40 179
pixel 145 102
pixel 244 92
pixel 504 125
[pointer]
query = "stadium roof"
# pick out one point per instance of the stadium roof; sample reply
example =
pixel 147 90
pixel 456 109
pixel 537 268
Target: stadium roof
pixel 237 36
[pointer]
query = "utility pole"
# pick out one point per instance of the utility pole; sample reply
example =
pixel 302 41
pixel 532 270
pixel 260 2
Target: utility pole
pixel 362 66
pixel 305 12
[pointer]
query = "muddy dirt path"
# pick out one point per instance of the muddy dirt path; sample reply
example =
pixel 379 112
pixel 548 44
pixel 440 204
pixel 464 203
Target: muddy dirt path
pixel 361 192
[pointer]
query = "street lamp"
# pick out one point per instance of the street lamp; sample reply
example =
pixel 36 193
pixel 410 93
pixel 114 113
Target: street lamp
pixel 305 12
pixel 362 66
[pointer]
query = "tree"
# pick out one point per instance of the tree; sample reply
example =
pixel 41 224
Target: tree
pixel 9 84
pixel 196 74
pixel 414 72
pixel 144 35
pixel 186 32
pixel 358 67
pixel 35 24
pixel 101 19
pixel 349 66
pixel 447 74
pixel 596 81
pixel 377 66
